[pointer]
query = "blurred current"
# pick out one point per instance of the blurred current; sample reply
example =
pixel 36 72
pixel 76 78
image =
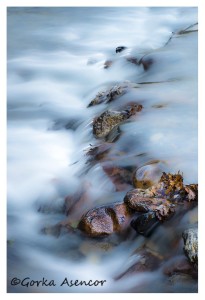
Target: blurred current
pixel 55 68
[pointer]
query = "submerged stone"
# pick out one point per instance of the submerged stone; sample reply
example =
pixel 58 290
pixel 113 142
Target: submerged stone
pixel 98 153
pixel 113 92
pixel 133 60
pixel 183 283
pixel 179 265
pixel 121 177
pixel 107 64
pixel 74 203
pixel 146 260
pixel 148 175
pixel 147 62
pixel 58 229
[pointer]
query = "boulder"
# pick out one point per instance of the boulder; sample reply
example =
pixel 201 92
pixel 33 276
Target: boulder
pixel 139 201
pixel 105 220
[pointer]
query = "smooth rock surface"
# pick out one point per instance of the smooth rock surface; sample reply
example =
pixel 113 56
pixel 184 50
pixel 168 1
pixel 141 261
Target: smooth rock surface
pixel 105 220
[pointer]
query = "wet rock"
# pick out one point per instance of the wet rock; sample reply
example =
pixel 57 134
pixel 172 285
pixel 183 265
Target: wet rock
pixel 145 223
pixel 140 201
pixel 190 237
pixel 120 176
pixel 105 220
pixel 148 175
pixel 109 95
pixel 146 261
pixel 163 199
pixel 120 49
pixel 103 124
pixel 112 93
pixel 98 153
pixel 107 121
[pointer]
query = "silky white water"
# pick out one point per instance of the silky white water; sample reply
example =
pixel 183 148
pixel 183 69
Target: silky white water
pixel 55 68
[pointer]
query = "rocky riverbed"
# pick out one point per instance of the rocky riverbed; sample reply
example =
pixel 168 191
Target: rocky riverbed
pixel 102 184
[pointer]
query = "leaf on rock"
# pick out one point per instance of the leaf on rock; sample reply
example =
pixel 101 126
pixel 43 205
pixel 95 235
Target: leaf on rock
pixel 192 192
pixel 164 211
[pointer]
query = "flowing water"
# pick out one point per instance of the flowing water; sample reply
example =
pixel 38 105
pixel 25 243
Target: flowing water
pixel 55 68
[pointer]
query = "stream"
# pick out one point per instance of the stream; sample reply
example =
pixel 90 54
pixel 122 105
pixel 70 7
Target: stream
pixel 56 67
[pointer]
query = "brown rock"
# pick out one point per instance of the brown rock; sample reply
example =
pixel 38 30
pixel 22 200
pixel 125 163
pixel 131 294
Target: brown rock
pixel 105 220
pixel 139 201
pixel 103 124
pixel 98 153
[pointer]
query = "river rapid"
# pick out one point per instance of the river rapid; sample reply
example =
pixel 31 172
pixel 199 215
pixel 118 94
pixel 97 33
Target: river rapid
pixel 56 62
